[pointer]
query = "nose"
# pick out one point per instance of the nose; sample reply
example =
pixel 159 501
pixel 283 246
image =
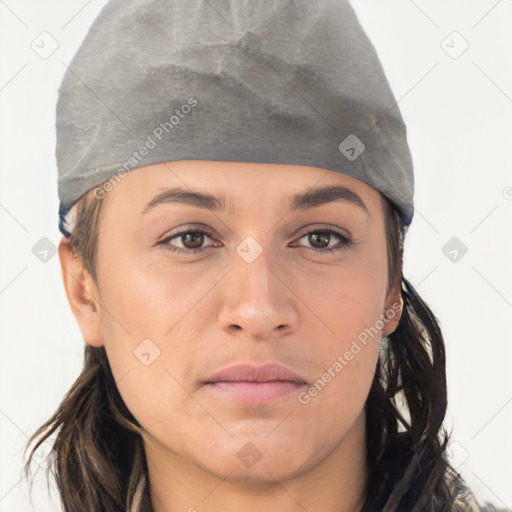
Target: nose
pixel 259 300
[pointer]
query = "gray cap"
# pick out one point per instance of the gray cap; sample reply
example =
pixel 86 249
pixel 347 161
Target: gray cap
pixel 268 81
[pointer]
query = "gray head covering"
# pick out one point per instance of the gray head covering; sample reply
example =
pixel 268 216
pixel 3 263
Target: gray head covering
pixel 268 81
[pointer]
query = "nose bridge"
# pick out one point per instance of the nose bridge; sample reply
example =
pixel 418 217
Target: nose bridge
pixel 253 271
pixel 256 300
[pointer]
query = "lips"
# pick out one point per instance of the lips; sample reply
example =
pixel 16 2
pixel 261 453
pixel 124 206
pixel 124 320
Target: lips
pixel 255 384
pixel 266 373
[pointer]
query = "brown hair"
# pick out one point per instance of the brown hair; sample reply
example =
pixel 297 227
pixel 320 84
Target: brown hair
pixel 98 457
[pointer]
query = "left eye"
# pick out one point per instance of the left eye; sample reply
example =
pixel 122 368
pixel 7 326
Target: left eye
pixel 323 238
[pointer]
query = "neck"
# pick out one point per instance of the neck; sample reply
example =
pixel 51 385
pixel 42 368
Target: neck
pixel 336 483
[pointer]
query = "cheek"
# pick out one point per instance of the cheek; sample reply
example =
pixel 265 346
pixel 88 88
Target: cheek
pixel 347 328
pixel 149 317
pixel 339 389
pixel 144 301
pixel 346 300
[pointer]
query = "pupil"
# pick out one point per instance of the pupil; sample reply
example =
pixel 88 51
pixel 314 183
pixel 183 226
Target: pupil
pixel 319 235
pixel 196 239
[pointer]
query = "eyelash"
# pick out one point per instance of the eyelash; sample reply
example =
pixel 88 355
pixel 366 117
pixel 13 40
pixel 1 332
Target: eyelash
pixel 346 241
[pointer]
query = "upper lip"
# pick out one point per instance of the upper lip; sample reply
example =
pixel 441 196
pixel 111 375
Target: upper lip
pixel 246 372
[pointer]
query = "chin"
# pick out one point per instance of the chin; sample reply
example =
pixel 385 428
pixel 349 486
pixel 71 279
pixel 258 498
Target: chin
pixel 257 460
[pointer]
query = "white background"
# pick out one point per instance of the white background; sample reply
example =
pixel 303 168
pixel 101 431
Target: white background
pixel 458 112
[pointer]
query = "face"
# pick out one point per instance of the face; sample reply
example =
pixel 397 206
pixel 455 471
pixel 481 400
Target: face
pixel 186 291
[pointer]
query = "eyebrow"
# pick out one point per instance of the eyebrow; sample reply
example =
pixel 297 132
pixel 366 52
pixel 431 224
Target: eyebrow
pixel 300 201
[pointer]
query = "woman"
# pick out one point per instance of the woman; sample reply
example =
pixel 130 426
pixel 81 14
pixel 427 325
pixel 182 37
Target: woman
pixel 239 186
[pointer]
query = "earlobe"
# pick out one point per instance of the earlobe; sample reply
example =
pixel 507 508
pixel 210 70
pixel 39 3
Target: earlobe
pixel 82 294
pixel 393 310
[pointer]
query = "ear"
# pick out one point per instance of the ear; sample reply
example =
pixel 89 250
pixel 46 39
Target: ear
pixel 82 294
pixel 392 310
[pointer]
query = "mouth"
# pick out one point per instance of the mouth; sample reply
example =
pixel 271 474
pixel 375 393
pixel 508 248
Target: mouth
pixel 255 385
pixel 256 392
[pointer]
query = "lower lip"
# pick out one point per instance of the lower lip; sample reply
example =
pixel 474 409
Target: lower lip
pixel 256 392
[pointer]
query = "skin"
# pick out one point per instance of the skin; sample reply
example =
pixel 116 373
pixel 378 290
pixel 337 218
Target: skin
pixel 209 310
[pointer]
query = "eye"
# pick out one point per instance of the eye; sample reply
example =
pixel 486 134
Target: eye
pixel 321 240
pixel 189 240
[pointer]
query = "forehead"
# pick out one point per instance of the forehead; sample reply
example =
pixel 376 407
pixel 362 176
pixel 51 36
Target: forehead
pixel 236 184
